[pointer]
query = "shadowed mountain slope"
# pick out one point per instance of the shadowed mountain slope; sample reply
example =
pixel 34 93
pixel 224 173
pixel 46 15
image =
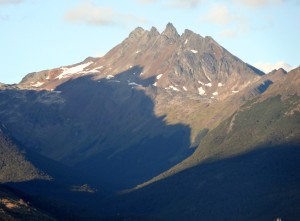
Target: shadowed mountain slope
pixel 259 185
pixel 97 127
pixel 247 168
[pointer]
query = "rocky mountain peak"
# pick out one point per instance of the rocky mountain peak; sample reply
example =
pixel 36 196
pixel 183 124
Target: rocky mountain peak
pixel 136 33
pixel 278 72
pixel 188 33
pixel 281 70
pixel 170 31
pixel 189 64
pixel 210 40
pixel 153 32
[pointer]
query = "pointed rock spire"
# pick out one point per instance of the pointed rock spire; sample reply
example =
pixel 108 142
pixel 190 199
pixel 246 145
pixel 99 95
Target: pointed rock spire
pixel 153 32
pixel 282 70
pixel 170 31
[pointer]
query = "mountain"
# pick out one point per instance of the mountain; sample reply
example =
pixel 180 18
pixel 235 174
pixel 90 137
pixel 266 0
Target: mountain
pixel 163 127
pixel 167 66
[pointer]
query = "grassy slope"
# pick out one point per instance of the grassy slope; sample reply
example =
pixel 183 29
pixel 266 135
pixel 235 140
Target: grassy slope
pixel 264 123
pixel 14 165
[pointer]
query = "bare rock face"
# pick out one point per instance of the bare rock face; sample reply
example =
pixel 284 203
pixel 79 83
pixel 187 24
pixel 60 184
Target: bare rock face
pixel 170 33
pixel 187 63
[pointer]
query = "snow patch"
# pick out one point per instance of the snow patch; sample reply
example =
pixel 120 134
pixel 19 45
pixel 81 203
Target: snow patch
pixel 90 71
pixel 159 76
pixel 201 91
pixel 109 76
pixel 184 88
pixel 142 73
pixel 38 84
pixel 186 41
pixel 215 93
pixel 194 51
pixel 200 82
pixel 67 72
pixel 235 92
pixel 220 85
pixel 172 87
pixel 48 77
pixel 137 51
pixel 207 76
pixel 208 84
pixel 134 84
pixel 155 84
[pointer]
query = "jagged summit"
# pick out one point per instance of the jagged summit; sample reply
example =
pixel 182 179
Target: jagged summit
pixel 136 33
pixel 187 63
pixel 188 33
pixel 278 71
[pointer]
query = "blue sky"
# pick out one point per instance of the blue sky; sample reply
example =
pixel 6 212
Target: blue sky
pixel 43 34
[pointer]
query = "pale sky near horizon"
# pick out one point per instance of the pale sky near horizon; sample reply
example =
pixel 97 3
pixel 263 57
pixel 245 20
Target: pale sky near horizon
pixel 43 34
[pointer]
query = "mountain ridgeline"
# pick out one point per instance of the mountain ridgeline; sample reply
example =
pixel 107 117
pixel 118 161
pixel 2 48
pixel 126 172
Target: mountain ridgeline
pixel 163 127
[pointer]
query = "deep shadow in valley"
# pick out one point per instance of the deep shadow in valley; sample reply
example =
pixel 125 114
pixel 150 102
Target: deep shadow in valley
pixel 116 135
pixel 120 142
pixel 105 129
pixel 260 185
